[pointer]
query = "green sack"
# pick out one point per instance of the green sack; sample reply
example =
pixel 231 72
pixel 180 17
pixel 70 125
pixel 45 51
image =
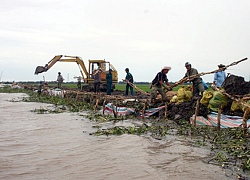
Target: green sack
pixel 217 100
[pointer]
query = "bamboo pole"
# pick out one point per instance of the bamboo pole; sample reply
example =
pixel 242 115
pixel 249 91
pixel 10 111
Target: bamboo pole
pixel 77 96
pixel 219 116
pixel 244 121
pixel 138 89
pixel 144 108
pixel 116 104
pixel 103 106
pixel 196 110
pixel 90 99
pixel 166 112
pixel 96 103
pixel 186 79
pixel 233 98
pixel 115 115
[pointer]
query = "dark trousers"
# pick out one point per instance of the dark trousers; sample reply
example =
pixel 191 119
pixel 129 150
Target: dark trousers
pixel 131 90
pixel 109 86
pixel 97 87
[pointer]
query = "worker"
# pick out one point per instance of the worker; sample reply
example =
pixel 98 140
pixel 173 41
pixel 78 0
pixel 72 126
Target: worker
pixel 219 77
pixel 109 81
pixel 158 83
pixel 59 80
pixel 129 78
pixel 204 84
pixel 39 89
pixel 97 80
pixel 198 87
pixel 79 82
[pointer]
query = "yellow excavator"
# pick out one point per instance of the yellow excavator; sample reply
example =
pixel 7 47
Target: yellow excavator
pixel 88 78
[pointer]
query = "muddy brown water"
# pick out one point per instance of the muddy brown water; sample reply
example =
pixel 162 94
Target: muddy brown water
pixel 58 146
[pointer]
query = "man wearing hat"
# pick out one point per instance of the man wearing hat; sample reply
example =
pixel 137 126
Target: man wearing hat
pixel 198 87
pixel 219 77
pixel 158 83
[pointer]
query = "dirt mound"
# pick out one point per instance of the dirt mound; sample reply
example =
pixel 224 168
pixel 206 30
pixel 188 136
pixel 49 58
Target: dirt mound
pixel 185 110
pixel 236 85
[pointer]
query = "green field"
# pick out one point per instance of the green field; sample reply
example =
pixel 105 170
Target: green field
pixel 118 86
pixel 144 87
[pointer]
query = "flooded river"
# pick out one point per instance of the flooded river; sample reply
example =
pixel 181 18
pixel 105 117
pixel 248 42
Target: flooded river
pixel 58 146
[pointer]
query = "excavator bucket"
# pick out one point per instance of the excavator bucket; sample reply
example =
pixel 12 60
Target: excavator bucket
pixel 40 69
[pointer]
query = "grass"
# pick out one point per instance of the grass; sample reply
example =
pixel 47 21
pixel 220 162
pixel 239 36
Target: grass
pixel 118 86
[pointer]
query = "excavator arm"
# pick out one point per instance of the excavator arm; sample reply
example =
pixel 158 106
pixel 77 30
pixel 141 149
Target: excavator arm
pixel 61 58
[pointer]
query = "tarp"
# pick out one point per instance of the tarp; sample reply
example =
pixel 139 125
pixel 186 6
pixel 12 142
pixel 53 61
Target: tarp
pixel 150 112
pixel 120 110
pixel 225 120
pixel 126 111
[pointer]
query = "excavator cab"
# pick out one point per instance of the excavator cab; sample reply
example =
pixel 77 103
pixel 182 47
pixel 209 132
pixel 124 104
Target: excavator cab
pixel 104 66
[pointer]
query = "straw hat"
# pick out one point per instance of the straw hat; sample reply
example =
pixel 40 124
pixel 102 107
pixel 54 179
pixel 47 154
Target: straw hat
pixel 166 67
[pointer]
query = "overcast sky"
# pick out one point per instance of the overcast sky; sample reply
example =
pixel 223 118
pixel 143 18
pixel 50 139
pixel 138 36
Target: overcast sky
pixel 143 35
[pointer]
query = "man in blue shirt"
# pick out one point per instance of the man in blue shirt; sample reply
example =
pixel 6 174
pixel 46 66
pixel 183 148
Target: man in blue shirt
pixel 220 76
pixel 129 78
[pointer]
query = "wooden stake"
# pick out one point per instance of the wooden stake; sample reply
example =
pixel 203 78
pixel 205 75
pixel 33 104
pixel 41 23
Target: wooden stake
pixel 90 99
pixel 77 95
pixel 104 102
pixel 166 112
pixel 244 121
pixel 115 115
pixel 219 115
pixel 96 103
pixel 144 108
pixel 116 104
pixel 196 110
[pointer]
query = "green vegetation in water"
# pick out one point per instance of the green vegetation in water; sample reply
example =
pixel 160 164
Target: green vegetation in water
pixel 71 104
pixel 56 110
pixel 229 146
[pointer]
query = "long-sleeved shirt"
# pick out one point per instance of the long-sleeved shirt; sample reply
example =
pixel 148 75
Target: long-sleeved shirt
pixel 109 78
pixel 192 72
pixel 219 78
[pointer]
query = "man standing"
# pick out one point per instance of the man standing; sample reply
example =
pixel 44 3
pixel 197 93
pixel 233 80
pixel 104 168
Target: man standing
pixel 220 76
pixel 129 78
pixel 158 83
pixel 79 82
pixel 109 81
pixel 39 89
pixel 197 82
pixel 59 80
pixel 97 80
